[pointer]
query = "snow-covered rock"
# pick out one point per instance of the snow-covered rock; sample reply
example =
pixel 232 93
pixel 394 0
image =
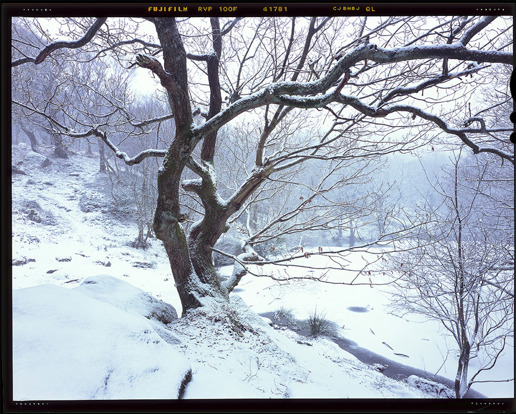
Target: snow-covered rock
pixel 34 212
pixel 430 387
pixel 16 170
pixel 22 261
pixel 67 345
pixel 34 160
pixel 127 297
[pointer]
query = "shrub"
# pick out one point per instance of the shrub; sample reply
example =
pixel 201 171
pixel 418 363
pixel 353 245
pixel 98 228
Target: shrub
pixel 319 325
pixel 283 314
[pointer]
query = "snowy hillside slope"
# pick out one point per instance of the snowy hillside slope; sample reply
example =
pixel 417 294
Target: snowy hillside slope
pixel 58 252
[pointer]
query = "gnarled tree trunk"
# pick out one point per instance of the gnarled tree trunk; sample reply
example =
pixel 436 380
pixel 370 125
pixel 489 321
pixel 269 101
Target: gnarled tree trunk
pixel 191 261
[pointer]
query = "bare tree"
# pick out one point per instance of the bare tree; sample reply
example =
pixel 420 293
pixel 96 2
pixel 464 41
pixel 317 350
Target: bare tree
pixel 33 86
pixel 462 274
pixel 142 177
pixel 365 92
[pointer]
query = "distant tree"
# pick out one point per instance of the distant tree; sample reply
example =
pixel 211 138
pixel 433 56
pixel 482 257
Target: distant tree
pixel 461 271
pixel 33 85
pixel 142 177
pixel 353 84
pixel 34 142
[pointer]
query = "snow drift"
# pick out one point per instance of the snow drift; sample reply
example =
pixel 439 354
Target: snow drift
pixel 80 344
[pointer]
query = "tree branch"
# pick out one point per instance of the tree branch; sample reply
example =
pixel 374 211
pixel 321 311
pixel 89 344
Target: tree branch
pixel 428 83
pixel 120 154
pixel 228 26
pixel 200 58
pixel 152 121
pixel 210 140
pixel 481 24
pixel 496 285
pixel 320 101
pixel 151 63
pixel 64 44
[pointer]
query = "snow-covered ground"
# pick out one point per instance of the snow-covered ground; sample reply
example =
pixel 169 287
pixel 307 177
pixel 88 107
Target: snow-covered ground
pixel 78 335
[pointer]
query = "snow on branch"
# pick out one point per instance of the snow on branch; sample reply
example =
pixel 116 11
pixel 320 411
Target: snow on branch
pixel 202 58
pixel 239 269
pixel 203 171
pixel 302 91
pixel 151 121
pixel 481 24
pixel 120 154
pixel 452 51
pixel 481 121
pixel 64 44
pixel 194 185
pixel 258 175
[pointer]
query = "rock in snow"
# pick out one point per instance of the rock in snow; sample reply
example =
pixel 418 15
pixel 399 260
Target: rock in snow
pixel 35 213
pixel 22 261
pixel 34 160
pixel 127 297
pixel 16 170
pixel 430 387
pixel 80 344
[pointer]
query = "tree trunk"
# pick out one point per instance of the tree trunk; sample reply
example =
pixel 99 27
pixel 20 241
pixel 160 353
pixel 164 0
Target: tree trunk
pixel 60 152
pixel 169 230
pixel 190 260
pixel 188 285
pixel 352 238
pixel 102 157
pixel 59 149
pixel 201 239
pixel 34 145
pixel 461 379
pixel 340 237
